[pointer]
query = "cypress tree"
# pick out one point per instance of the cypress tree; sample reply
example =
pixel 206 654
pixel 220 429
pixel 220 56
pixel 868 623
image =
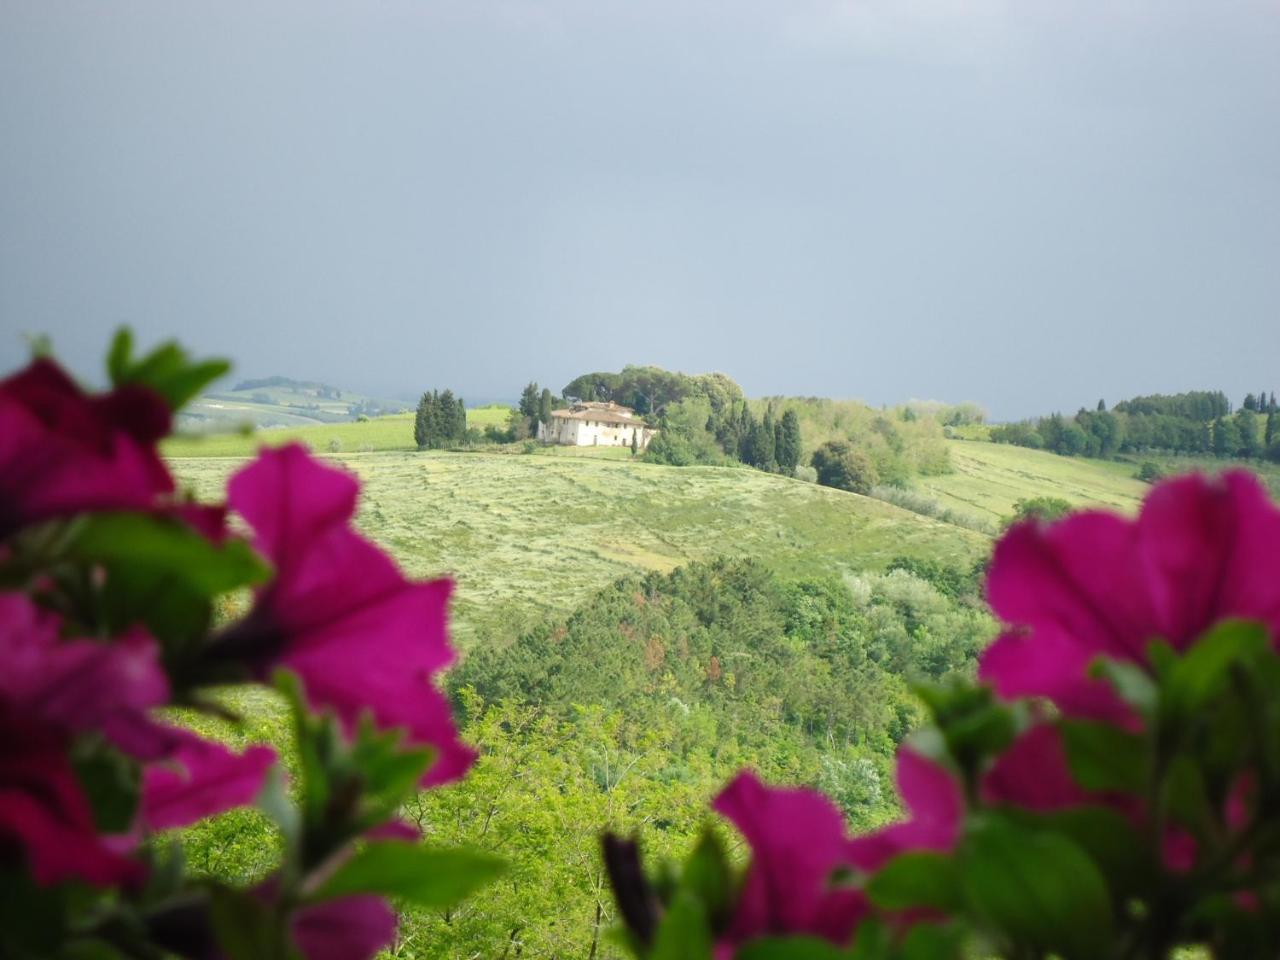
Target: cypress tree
pixel 788 447
pixel 544 406
pixel 1270 434
pixel 422 422
pixel 746 427
pixel 1102 406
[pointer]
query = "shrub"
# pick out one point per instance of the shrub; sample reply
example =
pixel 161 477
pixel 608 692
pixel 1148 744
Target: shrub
pixel 841 466
pixel 1149 472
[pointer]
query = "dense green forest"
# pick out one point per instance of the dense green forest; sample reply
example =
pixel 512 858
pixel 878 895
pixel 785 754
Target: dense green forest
pixel 634 708
pixel 1198 423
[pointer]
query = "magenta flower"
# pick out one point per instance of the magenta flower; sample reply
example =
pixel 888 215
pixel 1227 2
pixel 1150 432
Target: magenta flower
pixel 81 686
pixel 64 452
pixel 798 846
pixel 199 779
pixel 1033 773
pixel 1096 584
pixel 339 613
pixel 935 808
pixel 44 812
pixel 349 928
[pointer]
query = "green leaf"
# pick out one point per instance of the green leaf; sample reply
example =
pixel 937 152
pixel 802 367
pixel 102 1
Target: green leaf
pixel 1035 889
pixel 684 933
pixel 932 941
pixel 791 948
pixel 169 549
pixel 917 880
pixel 111 786
pixel 1103 757
pixel 246 927
pixel 1134 684
pixel 120 356
pixel 707 876
pixel 1204 671
pixel 419 875
pixel 1113 844
pixel 1186 797
pixel 167 369
pixel 872 941
pixel 274 801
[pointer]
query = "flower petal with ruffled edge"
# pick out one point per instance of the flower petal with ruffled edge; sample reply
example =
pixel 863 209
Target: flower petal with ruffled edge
pixel 64 452
pixel 43 810
pixel 81 686
pixel 349 928
pixel 339 613
pixel 199 779
pixel 797 840
pixel 1095 584
pixel 935 814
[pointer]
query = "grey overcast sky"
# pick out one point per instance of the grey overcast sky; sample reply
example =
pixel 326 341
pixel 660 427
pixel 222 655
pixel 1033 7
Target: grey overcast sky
pixel 1028 203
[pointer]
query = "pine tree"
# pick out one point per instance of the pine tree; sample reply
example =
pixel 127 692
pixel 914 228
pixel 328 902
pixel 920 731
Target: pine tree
pixel 529 401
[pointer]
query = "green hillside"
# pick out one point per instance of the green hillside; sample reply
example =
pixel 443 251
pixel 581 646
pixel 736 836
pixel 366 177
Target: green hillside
pixel 394 432
pixel 529 535
pixel 280 402
pixel 988 478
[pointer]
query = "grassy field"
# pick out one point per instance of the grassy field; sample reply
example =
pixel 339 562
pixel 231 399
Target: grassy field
pixel 367 436
pixel 530 535
pixel 987 478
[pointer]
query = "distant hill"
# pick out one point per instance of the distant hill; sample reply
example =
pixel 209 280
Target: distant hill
pixel 282 402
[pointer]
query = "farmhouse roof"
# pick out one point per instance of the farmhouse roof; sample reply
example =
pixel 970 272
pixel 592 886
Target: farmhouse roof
pixel 600 413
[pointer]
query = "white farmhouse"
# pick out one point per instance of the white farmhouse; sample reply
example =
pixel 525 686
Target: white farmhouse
pixel 596 424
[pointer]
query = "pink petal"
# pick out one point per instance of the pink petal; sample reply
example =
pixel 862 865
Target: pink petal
pixel 286 496
pixel 1033 773
pixel 350 928
pixel 935 813
pixel 1209 553
pixel 63 452
pixel 340 614
pixel 1078 578
pixel 1046 664
pixel 200 779
pixel 81 685
pixel 797 840
pixel 44 812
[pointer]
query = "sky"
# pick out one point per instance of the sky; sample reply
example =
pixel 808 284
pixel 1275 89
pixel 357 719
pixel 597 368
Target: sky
pixel 1030 204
